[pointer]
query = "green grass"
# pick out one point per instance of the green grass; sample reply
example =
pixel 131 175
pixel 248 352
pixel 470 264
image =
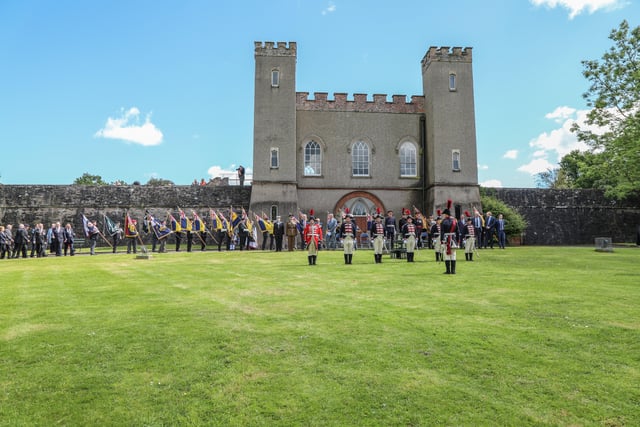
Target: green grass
pixel 526 336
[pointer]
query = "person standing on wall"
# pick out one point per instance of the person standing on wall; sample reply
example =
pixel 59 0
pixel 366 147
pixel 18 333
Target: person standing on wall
pixel 240 171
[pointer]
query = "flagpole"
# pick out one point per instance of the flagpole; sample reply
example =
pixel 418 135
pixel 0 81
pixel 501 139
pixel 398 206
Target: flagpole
pixel 105 239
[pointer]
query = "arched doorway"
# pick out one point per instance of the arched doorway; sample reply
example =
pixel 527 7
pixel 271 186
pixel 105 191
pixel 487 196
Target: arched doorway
pixel 360 204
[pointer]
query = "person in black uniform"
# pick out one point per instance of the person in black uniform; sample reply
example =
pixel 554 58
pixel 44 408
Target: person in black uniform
pixel 390 227
pixel 278 233
pixel 409 233
pixel 449 236
pixel 377 235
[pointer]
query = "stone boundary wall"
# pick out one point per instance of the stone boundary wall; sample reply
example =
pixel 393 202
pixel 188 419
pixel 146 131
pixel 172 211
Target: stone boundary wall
pixel 555 217
pixel 30 204
pixel 571 217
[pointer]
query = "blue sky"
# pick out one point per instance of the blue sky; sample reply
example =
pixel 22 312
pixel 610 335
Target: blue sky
pixel 133 90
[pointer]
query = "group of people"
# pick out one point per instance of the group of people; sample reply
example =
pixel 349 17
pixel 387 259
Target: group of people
pixel 443 233
pixel 36 242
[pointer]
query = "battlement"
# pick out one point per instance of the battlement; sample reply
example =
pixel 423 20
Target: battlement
pixel 275 49
pixel 446 54
pixel 379 104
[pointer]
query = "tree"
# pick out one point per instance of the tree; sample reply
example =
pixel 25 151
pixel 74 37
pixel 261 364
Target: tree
pixel 612 127
pixel 88 179
pixel 515 223
pixel 158 182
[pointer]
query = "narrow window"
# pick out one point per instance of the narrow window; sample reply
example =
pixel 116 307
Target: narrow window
pixel 455 160
pixel 408 160
pixel 275 158
pixel 360 159
pixel 312 159
pixel 275 78
pixel 274 212
pixel 452 82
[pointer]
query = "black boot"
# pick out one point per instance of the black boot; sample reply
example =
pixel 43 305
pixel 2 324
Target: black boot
pixel 346 259
pixel 314 259
pixel 310 259
pixel 453 267
pixel 466 256
pixel 448 266
pixel 471 256
pixel 350 258
pixel 437 257
pixel 379 258
pixel 375 257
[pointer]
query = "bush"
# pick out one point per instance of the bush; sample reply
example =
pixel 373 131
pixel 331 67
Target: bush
pixel 515 222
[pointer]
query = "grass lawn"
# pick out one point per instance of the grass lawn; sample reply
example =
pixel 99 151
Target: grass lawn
pixel 524 336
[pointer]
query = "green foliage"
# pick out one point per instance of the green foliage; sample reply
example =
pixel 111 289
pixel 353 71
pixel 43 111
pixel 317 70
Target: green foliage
pixel 613 125
pixel 528 336
pixel 158 182
pixel 515 222
pixel 88 179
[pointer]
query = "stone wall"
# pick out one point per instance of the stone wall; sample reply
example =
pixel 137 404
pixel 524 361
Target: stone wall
pixel 30 204
pixel 555 217
pixel 571 217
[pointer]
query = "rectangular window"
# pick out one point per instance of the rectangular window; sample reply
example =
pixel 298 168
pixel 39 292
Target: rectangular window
pixel 452 82
pixel 455 160
pixel 275 158
pixel 275 78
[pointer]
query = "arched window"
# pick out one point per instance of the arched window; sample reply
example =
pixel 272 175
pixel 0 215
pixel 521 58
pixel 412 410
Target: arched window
pixel 408 160
pixel 312 159
pixel 455 160
pixel 359 208
pixel 360 159
pixel 452 82
pixel 275 158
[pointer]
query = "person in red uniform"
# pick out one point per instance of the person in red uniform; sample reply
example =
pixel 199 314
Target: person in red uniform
pixel 312 238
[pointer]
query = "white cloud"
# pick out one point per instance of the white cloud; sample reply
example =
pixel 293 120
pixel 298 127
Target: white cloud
pixel 536 166
pixel 511 154
pixel 495 183
pixel 561 114
pixel 483 167
pixel 560 141
pixel 128 128
pixel 330 9
pixel 576 7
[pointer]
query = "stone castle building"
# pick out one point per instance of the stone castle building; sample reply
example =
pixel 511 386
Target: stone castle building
pixel 330 154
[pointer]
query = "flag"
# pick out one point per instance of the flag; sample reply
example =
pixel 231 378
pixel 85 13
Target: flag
pixel 160 229
pixel 109 226
pixel 185 223
pixel 261 224
pixel 85 226
pixel 216 223
pixel 174 225
pixel 129 226
pixel 198 224
pixel 234 218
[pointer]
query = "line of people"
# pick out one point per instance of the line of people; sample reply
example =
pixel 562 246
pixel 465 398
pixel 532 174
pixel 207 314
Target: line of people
pixel 36 242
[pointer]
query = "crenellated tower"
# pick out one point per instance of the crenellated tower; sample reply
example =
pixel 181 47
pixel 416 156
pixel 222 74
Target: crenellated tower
pixel 274 129
pixel 451 157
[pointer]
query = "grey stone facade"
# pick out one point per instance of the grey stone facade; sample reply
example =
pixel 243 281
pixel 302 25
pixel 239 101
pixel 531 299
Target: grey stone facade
pixel 363 154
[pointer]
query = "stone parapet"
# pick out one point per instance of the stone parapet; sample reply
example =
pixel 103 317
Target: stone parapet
pixel 360 103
